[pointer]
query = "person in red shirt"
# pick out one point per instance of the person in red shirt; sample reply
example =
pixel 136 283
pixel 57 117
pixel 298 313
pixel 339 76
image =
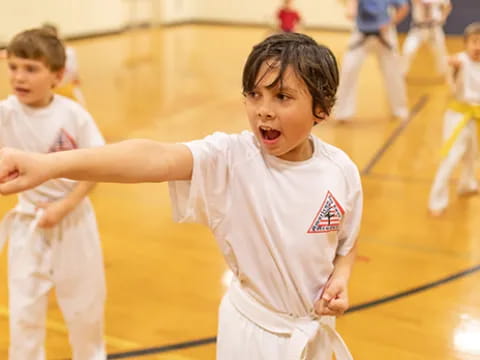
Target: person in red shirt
pixel 288 17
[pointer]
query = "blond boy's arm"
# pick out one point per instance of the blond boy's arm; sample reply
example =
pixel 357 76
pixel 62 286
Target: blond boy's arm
pixel 129 161
pixel 55 211
pixel 455 66
pixel 80 191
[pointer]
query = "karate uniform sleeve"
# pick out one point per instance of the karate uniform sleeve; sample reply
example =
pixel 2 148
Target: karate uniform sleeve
pixel 204 199
pixel 88 133
pixel 351 222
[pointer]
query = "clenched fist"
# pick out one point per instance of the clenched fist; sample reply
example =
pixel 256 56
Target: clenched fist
pixel 21 170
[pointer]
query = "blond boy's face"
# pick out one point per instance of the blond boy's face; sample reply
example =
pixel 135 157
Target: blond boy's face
pixel 472 47
pixel 32 81
pixel 281 118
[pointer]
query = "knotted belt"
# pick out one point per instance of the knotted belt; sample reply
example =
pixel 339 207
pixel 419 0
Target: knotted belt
pixel 365 35
pixel 469 112
pixel 301 330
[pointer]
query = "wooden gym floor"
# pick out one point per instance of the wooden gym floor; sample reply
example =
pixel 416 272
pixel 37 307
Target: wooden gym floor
pixel 414 291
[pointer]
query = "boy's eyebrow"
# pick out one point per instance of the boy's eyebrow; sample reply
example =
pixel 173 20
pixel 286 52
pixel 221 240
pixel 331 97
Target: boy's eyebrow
pixel 278 87
pixel 285 89
pixel 288 89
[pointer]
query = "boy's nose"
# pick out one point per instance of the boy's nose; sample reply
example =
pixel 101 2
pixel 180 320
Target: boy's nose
pixel 265 112
pixel 18 76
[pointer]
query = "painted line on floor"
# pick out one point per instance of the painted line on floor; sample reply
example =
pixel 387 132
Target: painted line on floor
pixel 395 134
pixel 354 308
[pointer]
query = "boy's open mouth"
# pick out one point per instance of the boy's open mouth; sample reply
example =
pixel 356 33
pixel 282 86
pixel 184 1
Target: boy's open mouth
pixel 21 90
pixel 269 133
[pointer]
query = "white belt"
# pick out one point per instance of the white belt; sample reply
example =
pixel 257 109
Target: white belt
pixel 5 227
pixel 7 222
pixel 302 330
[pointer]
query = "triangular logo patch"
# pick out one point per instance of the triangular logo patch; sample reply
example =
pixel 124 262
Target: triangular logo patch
pixel 63 142
pixel 328 217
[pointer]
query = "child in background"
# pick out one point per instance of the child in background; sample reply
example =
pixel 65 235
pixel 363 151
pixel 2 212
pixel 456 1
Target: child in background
pixel 284 206
pixel 428 18
pixel 461 124
pixel 52 232
pixel 70 85
pixel 374 33
pixel 288 17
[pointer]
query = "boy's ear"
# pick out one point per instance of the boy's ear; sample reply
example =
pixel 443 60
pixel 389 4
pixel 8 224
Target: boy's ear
pixel 59 76
pixel 320 114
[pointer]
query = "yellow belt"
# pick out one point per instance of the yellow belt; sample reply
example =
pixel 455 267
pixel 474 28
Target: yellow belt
pixel 469 112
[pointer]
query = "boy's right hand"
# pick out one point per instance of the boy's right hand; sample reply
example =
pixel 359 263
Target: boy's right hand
pixel 53 213
pixel 454 62
pixel 21 170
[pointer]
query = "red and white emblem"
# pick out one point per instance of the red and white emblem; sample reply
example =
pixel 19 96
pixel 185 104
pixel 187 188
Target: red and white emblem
pixel 63 142
pixel 328 217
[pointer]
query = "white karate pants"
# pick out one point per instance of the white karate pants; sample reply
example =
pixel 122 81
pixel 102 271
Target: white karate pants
pixel 435 37
pixel 69 258
pixel 390 65
pixel 247 330
pixel 464 149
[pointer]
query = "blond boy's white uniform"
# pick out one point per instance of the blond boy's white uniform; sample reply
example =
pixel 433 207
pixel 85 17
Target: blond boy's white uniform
pixel 67 256
pixel 466 90
pixel 427 22
pixel 279 225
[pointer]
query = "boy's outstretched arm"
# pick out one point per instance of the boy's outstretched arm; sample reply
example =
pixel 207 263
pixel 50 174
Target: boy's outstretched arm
pixel 129 161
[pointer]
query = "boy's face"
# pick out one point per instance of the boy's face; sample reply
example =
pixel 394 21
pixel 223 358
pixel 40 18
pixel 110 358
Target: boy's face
pixel 32 81
pixel 472 46
pixel 281 118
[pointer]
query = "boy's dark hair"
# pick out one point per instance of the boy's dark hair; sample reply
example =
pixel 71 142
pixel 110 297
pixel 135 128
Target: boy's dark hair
pixel 472 29
pixel 50 27
pixel 38 44
pixel 313 63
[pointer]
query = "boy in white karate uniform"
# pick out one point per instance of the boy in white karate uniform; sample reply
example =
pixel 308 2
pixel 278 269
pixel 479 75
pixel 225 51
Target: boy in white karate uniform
pixel 374 33
pixel 428 17
pixel 461 124
pixel 284 206
pixel 53 237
